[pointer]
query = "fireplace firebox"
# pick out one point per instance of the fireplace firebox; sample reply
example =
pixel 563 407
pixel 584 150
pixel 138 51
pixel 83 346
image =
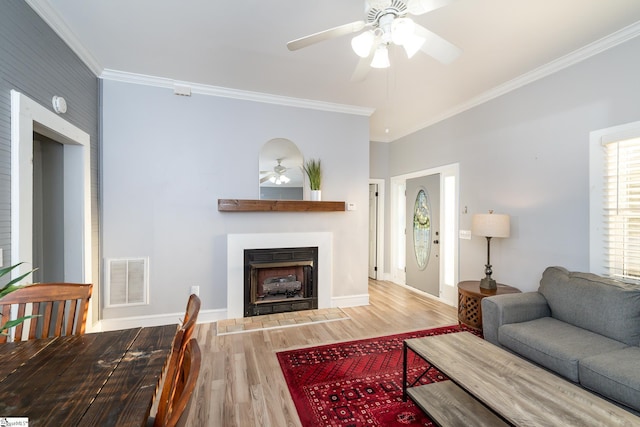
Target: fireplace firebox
pixel 280 280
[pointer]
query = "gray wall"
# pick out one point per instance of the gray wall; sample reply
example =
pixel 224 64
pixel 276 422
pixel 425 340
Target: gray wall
pixel 526 154
pixel 167 160
pixel 37 63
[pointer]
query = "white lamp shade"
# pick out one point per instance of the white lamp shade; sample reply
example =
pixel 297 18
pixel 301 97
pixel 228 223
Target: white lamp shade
pixel 401 30
pixel 381 58
pixel 363 43
pixel 413 44
pixel 490 225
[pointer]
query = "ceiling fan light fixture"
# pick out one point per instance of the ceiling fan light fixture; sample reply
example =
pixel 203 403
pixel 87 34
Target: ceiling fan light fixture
pixel 413 44
pixel 363 43
pixel 284 179
pixel 381 57
pixel 402 29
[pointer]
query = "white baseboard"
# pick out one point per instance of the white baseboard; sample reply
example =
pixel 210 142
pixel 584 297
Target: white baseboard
pixel 205 316
pixel 350 301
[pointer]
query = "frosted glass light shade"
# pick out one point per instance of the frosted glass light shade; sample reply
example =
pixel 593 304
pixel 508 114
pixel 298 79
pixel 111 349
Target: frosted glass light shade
pixel 413 44
pixel 490 225
pixel 381 58
pixel 363 43
pixel 401 30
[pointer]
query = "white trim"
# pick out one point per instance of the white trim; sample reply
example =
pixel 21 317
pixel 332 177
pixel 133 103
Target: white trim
pixel 597 250
pixel 51 17
pixel 350 301
pixel 27 116
pixel 205 316
pixel 444 171
pixel 599 46
pixel 202 89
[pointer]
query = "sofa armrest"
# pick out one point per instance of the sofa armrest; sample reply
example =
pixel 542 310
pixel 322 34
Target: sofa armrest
pixel 499 310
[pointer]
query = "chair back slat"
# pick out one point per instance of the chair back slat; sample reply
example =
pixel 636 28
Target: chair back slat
pixel 183 385
pixel 180 341
pixel 61 308
pixel 70 317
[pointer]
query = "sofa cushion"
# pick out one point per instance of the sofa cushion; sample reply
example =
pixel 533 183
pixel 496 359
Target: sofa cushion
pixel 604 306
pixel 615 375
pixel 554 344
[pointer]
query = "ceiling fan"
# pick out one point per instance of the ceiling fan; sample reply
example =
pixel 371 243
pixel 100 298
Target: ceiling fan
pixel 387 23
pixel 276 176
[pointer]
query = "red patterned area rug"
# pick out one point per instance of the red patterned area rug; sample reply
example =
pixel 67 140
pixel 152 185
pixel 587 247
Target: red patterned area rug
pixel 357 383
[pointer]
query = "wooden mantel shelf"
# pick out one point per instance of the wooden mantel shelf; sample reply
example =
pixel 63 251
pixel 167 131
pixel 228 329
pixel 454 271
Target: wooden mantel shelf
pixel 236 205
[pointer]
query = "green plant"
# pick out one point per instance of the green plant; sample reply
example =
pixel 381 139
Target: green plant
pixel 11 286
pixel 314 172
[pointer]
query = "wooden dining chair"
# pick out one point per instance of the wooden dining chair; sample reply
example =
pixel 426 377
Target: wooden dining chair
pixel 61 309
pixel 190 317
pixel 175 411
pixel 180 340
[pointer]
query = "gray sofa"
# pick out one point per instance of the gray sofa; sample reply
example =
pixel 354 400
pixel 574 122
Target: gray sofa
pixel 584 327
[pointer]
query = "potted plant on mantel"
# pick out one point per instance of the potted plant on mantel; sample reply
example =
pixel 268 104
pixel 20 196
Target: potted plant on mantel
pixel 314 173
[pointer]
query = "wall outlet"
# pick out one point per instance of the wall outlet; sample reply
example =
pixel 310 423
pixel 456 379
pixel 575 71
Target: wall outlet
pixel 195 290
pixel 465 234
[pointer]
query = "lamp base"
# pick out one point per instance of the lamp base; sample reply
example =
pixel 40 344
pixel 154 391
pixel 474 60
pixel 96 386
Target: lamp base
pixel 488 283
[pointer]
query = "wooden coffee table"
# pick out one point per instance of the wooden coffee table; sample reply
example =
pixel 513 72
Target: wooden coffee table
pixel 490 386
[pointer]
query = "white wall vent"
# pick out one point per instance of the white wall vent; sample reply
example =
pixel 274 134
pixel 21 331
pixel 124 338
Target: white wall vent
pixel 127 282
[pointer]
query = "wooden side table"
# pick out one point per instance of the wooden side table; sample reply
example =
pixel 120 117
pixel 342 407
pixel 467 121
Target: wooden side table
pixel 470 295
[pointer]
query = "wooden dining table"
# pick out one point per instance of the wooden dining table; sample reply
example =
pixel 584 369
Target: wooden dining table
pixel 97 379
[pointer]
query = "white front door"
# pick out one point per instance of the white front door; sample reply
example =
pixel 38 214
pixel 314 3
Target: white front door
pixel 423 234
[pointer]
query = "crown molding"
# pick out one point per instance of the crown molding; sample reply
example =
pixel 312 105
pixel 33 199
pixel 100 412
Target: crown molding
pixel 141 79
pixel 552 67
pixel 57 24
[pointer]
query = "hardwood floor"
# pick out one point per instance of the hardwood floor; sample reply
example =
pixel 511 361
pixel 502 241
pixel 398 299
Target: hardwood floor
pixel 240 382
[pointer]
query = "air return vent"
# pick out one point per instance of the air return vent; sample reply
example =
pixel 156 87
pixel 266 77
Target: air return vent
pixel 127 282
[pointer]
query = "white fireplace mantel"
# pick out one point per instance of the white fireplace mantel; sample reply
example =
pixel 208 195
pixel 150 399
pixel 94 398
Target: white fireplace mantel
pixel 237 243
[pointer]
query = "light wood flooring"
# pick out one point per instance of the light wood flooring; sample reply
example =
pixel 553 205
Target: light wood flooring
pixel 240 382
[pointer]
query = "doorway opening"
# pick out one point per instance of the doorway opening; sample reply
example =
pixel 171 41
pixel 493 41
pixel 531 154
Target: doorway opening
pixel 67 158
pixel 402 232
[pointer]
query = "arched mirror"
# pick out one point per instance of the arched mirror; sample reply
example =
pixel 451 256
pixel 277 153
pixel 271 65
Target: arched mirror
pixel 280 170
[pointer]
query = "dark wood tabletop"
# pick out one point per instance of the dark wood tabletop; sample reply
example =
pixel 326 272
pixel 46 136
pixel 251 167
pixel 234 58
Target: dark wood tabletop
pixel 99 379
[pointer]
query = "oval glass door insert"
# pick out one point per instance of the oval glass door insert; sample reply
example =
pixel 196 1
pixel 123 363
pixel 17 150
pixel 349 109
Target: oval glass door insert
pixel 422 229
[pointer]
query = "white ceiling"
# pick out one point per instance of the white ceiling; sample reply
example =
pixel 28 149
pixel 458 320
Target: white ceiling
pixel 241 44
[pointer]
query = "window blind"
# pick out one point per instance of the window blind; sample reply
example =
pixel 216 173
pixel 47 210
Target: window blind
pixel 622 209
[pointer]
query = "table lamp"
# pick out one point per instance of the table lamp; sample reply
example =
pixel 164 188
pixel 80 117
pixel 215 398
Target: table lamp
pixel 489 225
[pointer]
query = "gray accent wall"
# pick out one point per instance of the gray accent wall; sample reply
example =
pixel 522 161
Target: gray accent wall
pixel 167 160
pixel 37 63
pixel 526 154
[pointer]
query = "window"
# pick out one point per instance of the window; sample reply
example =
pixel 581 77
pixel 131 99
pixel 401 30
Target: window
pixel 615 217
pixel 622 208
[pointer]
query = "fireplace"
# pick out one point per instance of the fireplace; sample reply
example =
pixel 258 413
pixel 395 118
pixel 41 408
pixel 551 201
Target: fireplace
pixel 280 280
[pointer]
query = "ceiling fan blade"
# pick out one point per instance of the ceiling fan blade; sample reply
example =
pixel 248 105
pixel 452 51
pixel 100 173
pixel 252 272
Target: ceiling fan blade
pixel 361 71
pixel 419 7
pixel 265 179
pixel 437 47
pixel 331 33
